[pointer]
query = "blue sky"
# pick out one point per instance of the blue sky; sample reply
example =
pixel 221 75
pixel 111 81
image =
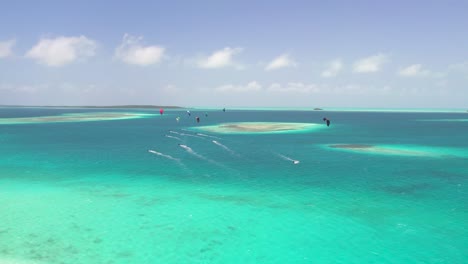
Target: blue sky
pixel 235 53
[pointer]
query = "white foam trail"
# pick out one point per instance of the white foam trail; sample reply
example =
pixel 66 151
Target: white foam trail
pixel 174 132
pixel 190 150
pixel 173 137
pixel 184 134
pixel 224 147
pixel 186 130
pixel 186 147
pixel 163 155
pixel 203 135
pixel 288 158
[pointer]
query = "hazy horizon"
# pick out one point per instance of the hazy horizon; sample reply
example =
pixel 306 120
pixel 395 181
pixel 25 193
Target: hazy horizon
pixel 298 54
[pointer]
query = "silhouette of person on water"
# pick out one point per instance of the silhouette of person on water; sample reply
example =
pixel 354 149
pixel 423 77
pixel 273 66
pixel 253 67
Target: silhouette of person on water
pixel 327 121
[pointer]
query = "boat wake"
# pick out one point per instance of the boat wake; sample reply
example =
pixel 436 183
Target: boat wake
pixel 203 135
pixel 163 155
pixel 184 134
pixel 169 136
pixel 225 147
pixel 288 158
pixel 191 151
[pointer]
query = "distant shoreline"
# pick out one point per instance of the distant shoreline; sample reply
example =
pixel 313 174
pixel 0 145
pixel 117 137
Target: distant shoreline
pixel 97 106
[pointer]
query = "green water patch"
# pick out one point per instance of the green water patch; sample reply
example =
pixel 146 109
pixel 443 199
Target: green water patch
pixel 150 220
pixel 260 128
pixel 401 150
pixel 74 117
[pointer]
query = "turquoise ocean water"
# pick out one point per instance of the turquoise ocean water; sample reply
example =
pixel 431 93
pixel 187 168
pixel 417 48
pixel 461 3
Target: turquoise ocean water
pixel 90 192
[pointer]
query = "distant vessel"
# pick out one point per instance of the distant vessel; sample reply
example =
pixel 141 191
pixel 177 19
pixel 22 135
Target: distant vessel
pixel 318 109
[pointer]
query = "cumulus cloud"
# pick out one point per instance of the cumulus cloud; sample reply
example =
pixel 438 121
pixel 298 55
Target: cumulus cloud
pixel 413 70
pixel 250 87
pixel 370 64
pixel 6 48
pixel 219 59
pixel 334 67
pixel 132 51
pixel 281 61
pixel 62 50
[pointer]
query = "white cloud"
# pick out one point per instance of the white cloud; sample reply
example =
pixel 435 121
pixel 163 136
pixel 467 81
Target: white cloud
pixel 370 64
pixel 6 48
pixel 334 67
pixel 294 87
pixel 250 87
pixel 131 51
pixel 62 50
pixel 219 59
pixel 281 61
pixel 413 70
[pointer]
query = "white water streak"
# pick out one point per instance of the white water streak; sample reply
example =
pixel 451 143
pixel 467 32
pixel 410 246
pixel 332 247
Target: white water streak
pixel 203 135
pixel 184 134
pixel 169 136
pixel 191 151
pixel 225 147
pixel 288 158
pixel 163 155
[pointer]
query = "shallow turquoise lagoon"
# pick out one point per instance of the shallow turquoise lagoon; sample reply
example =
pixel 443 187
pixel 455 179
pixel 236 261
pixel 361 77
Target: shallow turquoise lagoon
pixel 92 192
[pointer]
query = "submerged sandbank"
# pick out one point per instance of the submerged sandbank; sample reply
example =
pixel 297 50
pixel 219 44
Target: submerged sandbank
pixel 401 150
pixel 75 117
pixel 260 127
